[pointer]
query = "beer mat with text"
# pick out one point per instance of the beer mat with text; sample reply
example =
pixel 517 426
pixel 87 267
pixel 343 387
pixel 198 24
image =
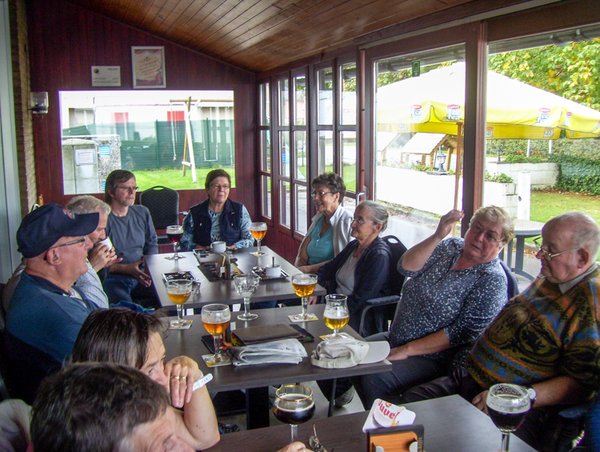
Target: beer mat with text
pixel 297 318
pixel 186 326
pixel 205 358
pixel 341 336
pixel 178 275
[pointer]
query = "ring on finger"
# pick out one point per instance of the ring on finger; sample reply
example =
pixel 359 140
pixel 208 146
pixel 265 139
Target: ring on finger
pixel 176 377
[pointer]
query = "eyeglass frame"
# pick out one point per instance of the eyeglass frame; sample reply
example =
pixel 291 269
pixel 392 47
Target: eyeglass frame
pixel 486 234
pixel 547 253
pixel 128 189
pixel 360 222
pixel 219 186
pixel 321 193
pixel 72 242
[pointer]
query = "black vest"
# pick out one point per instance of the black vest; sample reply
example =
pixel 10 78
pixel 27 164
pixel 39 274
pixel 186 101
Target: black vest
pixel 229 222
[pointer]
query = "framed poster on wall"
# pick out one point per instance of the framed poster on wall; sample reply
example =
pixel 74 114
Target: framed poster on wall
pixel 148 64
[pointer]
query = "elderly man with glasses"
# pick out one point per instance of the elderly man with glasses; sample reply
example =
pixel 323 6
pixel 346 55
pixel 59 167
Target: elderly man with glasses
pixel 46 312
pixel 133 235
pixel 547 338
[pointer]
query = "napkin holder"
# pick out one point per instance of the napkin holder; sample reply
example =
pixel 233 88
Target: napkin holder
pixel 406 438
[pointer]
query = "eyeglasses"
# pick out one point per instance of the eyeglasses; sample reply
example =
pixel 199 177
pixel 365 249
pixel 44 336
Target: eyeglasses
pixel 547 253
pixel 72 242
pixel 489 236
pixel 320 193
pixel 219 187
pixel 360 221
pixel 129 189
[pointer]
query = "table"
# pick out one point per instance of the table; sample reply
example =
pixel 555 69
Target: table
pixel 257 379
pixel 523 230
pixel 451 425
pixel 222 291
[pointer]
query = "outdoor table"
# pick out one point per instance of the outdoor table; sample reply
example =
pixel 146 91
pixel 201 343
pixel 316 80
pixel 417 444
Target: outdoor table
pixel 256 379
pixel 451 424
pixel 523 230
pixel 223 291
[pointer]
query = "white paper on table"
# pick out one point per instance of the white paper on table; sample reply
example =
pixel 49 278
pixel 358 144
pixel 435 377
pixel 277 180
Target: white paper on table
pixel 399 416
pixel 286 351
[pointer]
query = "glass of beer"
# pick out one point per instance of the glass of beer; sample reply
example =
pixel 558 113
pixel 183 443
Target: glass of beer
pixel 507 405
pixel 174 233
pixel 304 285
pixel 179 291
pixel 258 230
pixel 293 405
pixel 245 285
pixel 336 314
pixel 216 318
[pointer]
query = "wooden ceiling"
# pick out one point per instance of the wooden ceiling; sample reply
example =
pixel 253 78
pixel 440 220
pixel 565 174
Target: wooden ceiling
pixel 259 35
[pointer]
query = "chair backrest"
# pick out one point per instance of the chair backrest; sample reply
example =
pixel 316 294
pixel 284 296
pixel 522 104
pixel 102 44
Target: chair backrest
pixel 513 284
pixel 396 279
pixel 163 204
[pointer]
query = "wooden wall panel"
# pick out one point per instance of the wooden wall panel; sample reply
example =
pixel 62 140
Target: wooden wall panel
pixel 66 40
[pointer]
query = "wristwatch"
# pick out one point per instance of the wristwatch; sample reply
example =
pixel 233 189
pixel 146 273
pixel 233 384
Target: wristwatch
pixel 532 395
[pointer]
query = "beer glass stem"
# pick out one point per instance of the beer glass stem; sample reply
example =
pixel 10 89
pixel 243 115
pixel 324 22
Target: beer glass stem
pixel 294 431
pixel 246 307
pixel 258 251
pixel 175 255
pixel 304 305
pixel 179 314
pixel 505 438
pixel 217 339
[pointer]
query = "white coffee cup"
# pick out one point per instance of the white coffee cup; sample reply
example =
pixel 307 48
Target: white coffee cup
pixel 273 271
pixel 106 242
pixel 219 247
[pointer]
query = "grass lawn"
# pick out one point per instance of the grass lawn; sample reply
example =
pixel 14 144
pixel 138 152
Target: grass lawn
pixel 548 204
pixel 174 179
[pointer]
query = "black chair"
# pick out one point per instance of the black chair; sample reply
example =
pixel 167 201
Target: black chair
pixel 513 284
pixel 163 204
pixel 382 309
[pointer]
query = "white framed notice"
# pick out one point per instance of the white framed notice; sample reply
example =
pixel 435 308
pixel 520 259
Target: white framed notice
pixel 148 64
pixel 106 75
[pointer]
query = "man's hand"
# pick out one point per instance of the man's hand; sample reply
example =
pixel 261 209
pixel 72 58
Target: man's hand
pixel 182 372
pixel 398 353
pixel 100 257
pixel 133 270
pixel 447 222
pixel 480 401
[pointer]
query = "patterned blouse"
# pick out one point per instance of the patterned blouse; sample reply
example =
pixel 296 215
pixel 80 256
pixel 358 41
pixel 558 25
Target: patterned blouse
pixel 462 303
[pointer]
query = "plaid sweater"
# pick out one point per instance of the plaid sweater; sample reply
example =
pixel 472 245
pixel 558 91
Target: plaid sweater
pixel 541 334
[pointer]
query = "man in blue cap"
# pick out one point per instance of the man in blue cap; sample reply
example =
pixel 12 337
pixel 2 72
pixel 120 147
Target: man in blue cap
pixel 46 312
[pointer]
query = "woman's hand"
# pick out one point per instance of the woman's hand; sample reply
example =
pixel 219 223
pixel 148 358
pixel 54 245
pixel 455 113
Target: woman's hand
pixel 182 372
pixel 447 222
pixel 295 447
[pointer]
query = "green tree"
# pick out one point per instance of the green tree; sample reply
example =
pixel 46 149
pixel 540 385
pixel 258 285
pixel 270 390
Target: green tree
pixel 572 71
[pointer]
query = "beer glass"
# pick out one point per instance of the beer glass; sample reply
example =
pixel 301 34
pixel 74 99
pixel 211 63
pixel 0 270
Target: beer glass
pixel 216 318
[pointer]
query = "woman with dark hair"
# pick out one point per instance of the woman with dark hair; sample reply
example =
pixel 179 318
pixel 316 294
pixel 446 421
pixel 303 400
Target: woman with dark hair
pixel 122 336
pixel 329 231
pixel 218 218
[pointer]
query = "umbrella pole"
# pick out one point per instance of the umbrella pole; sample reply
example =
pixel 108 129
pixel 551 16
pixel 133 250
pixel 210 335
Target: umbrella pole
pixel 458 170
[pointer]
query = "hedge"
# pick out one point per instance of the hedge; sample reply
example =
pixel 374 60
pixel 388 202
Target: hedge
pixel 577 174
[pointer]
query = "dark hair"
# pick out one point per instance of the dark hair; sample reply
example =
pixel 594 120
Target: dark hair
pixel 333 182
pixel 116 335
pixel 94 407
pixel 213 175
pixel 115 178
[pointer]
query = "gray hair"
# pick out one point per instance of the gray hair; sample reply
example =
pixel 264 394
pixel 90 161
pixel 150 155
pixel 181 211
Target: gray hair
pixel 586 233
pixel 379 213
pixel 87 204
pixel 498 216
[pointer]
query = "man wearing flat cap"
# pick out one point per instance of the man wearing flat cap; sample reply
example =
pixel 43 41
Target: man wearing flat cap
pixel 46 312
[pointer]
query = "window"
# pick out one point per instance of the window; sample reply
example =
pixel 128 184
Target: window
pixel 150 133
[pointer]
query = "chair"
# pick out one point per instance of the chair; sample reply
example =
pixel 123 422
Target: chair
pixel 513 284
pixel 382 309
pixel 163 204
pixel 4 393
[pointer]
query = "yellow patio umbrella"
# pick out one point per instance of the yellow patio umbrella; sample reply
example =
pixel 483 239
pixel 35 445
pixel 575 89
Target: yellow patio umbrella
pixel 434 103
